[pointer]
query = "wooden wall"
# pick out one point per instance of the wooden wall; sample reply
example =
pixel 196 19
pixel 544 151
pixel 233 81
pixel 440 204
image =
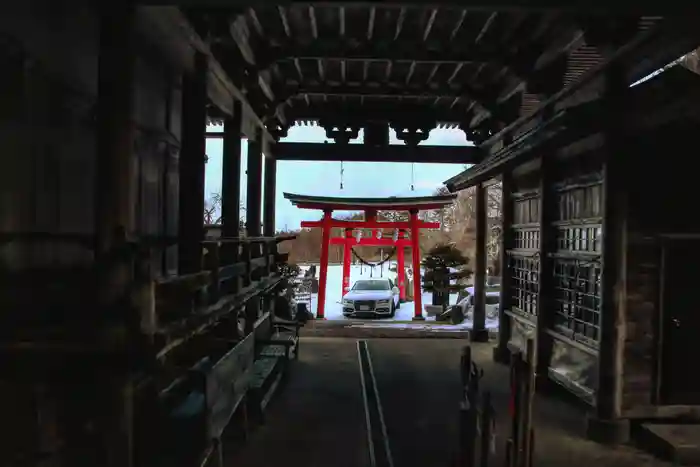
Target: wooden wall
pixel 660 201
pixel 48 88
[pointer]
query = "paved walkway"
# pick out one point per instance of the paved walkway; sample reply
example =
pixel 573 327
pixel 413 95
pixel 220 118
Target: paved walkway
pixel 318 419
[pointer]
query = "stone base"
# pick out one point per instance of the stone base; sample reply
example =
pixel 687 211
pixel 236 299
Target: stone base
pixel 418 318
pixel 501 355
pixel 479 335
pixel 322 318
pixel 610 432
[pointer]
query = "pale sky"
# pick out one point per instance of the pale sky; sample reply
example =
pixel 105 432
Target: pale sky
pixel 368 179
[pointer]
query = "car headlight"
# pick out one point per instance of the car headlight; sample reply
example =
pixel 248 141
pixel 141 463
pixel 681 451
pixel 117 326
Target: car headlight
pixel 383 302
pixel 347 303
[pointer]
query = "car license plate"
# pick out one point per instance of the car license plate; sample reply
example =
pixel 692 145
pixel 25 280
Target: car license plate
pixel 364 308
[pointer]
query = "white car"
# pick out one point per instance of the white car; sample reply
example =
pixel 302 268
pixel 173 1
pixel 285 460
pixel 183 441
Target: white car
pixel 371 297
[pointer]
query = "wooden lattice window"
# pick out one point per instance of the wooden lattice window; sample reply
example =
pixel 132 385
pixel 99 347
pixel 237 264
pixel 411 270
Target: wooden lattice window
pixel 526 238
pixel 577 298
pixel 524 279
pixel 580 238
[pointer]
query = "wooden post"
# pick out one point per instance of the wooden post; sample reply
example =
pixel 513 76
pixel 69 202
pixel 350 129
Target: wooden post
pixel 401 268
pixel 607 426
pixel 270 194
pixel 115 130
pixel 192 164
pixel 545 297
pixel 323 275
pixel 415 250
pixel 479 332
pixel 529 400
pixel 347 252
pixel 114 200
pixel 254 186
pixel 501 353
pixel 112 436
pixel 231 182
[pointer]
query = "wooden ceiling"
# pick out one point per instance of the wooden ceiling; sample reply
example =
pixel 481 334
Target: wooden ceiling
pixel 411 66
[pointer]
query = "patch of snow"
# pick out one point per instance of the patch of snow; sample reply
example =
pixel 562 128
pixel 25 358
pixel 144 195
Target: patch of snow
pixel 334 310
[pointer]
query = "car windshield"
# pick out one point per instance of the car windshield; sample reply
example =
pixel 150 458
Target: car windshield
pixel 371 285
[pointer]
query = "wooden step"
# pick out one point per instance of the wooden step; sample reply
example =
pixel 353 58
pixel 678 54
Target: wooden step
pixel 678 443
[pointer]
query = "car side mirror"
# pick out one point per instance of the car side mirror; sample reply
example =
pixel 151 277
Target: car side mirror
pixel 395 291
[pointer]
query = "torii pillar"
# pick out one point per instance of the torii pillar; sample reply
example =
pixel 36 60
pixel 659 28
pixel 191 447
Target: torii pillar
pixel 401 268
pixel 347 250
pixel 415 250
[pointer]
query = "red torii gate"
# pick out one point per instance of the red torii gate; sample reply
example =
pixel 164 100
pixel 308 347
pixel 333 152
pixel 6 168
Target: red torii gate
pixel 370 206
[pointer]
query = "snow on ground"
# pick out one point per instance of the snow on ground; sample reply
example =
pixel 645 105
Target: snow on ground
pixel 334 310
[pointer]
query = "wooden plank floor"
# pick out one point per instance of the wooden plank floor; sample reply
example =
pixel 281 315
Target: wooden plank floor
pixel 318 419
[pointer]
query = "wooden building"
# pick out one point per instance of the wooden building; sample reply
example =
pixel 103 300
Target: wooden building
pixel 599 248
pixel 106 301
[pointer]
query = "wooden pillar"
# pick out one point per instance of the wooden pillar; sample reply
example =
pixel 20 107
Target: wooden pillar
pixel 114 201
pixel 545 297
pixel 231 174
pixel 415 249
pixel 323 275
pixel 501 353
pixel 108 409
pixel 192 164
pixel 347 253
pixel 479 331
pixel 254 186
pixel 269 194
pixel 401 268
pixel 607 426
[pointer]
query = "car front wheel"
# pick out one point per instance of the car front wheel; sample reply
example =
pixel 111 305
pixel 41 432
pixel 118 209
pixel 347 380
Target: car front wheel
pixel 393 310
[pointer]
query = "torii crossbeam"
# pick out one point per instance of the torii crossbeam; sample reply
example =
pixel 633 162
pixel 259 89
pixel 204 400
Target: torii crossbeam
pixel 370 207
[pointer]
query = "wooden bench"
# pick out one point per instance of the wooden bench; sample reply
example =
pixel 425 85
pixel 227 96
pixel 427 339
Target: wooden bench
pixel 276 343
pixel 197 407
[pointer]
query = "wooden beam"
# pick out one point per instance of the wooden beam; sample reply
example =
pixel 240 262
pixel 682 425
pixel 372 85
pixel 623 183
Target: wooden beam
pixel 168 28
pixel 607 425
pixel 658 8
pixel 479 332
pixel 254 187
pixel 484 98
pixel 359 115
pixel 391 153
pixel 501 353
pixel 269 195
pixel 546 299
pixel 413 51
pixel 231 174
pixel 192 166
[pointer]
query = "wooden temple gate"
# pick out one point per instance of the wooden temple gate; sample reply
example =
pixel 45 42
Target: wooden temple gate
pixel 109 292
pixel 370 207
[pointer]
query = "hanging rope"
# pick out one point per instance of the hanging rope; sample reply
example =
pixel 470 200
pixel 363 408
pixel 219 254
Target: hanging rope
pixel 342 171
pixel 413 166
pixel 365 262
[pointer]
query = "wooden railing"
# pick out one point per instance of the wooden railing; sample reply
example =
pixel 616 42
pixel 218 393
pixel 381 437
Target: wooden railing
pixel 184 336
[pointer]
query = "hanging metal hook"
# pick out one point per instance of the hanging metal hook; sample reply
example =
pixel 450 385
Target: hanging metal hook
pixel 413 165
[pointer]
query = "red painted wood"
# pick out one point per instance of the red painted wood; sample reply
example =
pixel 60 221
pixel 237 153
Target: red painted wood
pixel 417 298
pixel 325 242
pixel 400 265
pixel 346 260
pixel 371 242
pixel 371 224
